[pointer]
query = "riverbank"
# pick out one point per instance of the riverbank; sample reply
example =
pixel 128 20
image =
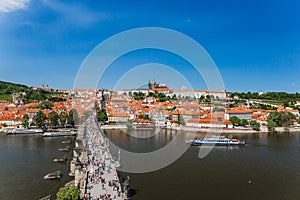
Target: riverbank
pixel 210 130
pixel 234 130
pixel 114 127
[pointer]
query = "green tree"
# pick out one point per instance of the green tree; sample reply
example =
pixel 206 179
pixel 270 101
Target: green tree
pixel 151 94
pixel 244 122
pixel 63 118
pixel 174 97
pixel 143 116
pixel 40 118
pixel 161 97
pixel 45 105
pixel 72 117
pixel 138 95
pixel 286 103
pixel 180 120
pixel 25 120
pixel 271 125
pixel 278 119
pixel 252 123
pixel 285 120
pixel 68 193
pixel 201 99
pixel 235 120
pixel 292 116
pixel 274 119
pixel 255 125
pixel 102 115
pixel 53 118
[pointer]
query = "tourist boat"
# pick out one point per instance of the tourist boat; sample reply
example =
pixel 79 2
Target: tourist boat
pixel 24 131
pixel 58 134
pixel 53 175
pixel 215 141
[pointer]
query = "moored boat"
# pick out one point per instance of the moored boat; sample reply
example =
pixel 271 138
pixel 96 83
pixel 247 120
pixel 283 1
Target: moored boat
pixel 58 134
pixel 216 141
pixel 63 159
pixel 24 131
pixel 53 175
pixel 66 141
pixel 67 148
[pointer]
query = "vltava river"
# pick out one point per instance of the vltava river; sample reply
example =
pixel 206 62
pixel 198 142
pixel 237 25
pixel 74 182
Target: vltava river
pixel 270 161
pixel 25 160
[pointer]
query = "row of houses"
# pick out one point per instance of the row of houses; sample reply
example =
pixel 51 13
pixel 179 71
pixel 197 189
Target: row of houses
pixel 191 94
pixel 122 108
pixel 11 115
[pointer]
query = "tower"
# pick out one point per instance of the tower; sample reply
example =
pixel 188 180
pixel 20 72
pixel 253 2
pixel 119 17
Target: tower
pixel 102 99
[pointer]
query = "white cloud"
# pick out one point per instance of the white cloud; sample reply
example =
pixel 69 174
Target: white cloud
pixel 13 5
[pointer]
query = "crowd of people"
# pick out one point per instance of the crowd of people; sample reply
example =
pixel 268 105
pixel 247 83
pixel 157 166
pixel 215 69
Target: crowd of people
pixel 102 179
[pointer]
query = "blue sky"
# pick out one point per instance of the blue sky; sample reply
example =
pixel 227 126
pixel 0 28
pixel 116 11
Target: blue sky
pixel 255 44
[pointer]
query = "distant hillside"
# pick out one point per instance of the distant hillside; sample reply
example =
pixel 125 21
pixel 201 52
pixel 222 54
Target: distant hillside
pixel 22 91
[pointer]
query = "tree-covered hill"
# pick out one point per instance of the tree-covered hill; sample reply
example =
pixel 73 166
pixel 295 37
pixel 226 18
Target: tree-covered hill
pixel 27 94
pixel 278 96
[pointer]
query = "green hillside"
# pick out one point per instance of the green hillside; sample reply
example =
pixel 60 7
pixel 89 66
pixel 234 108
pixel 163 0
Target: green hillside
pixel 26 93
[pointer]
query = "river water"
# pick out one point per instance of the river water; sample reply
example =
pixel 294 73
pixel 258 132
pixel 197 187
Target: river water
pixel 25 160
pixel 270 161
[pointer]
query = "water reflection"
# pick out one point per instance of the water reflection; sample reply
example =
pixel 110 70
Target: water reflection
pixel 223 148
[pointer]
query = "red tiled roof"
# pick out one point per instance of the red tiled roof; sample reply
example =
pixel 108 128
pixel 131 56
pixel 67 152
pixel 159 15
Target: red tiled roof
pixel 208 121
pixel 239 110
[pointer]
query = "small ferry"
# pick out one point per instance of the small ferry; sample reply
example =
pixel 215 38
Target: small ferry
pixel 215 141
pixel 59 134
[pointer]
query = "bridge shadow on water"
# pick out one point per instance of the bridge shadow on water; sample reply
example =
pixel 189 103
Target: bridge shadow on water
pixel 133 192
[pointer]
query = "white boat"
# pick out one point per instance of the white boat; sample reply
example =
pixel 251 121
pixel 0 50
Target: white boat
pixel 67 148
pixel 63 159
pixel 215 141
pixel 24 131
pixel 58 134
pixel 66 141
pixel 53 175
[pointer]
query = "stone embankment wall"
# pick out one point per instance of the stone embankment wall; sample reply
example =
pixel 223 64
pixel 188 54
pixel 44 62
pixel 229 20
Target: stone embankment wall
pixel 79 161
